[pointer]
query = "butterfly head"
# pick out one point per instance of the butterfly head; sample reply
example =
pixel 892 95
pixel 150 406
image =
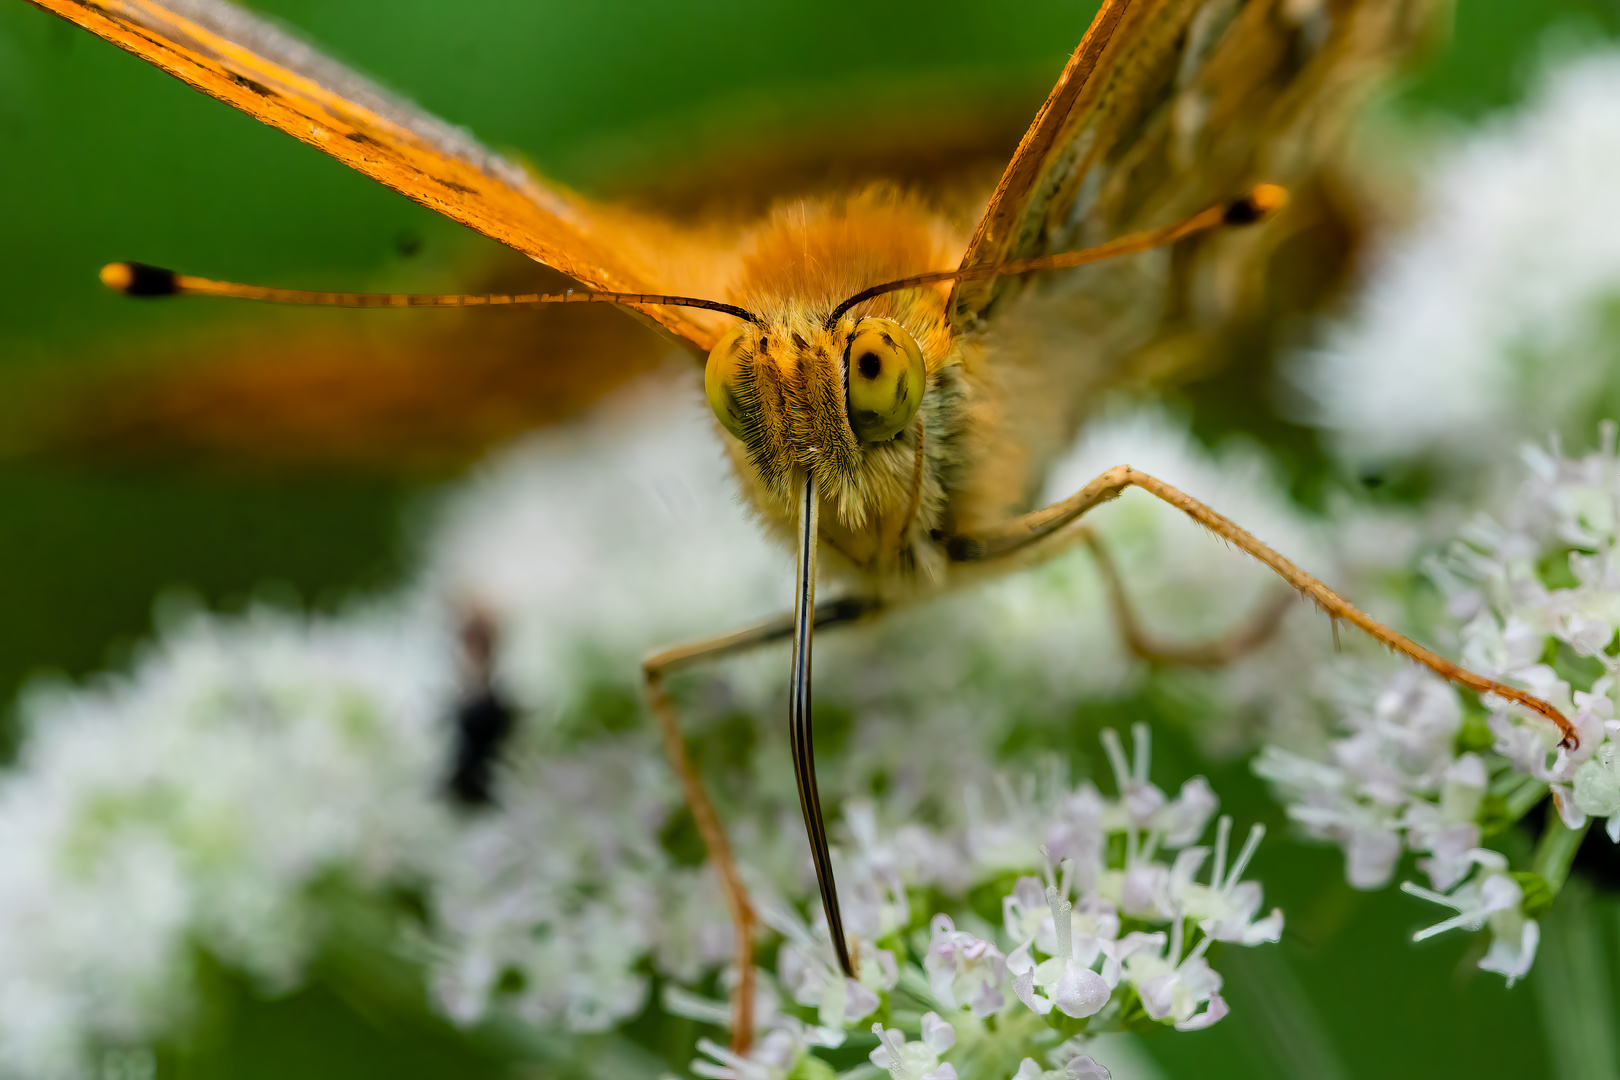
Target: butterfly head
pixel 805 398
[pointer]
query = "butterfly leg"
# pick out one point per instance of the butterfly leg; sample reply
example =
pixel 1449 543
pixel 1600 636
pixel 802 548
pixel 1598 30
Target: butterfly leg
pixel 1029 534
pixel 1254 632
pixel 654 668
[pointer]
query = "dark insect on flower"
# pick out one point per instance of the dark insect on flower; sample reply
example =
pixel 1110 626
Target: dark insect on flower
pixel 484 720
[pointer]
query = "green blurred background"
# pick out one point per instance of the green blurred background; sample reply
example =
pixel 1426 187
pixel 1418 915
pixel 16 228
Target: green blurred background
pixel 106 158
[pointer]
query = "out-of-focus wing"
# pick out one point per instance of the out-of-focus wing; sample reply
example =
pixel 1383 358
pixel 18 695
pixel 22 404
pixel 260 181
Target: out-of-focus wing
pixel 418 392
pixel 1003 232
pixel 408 392
pixel 262 70
pixel 1169 106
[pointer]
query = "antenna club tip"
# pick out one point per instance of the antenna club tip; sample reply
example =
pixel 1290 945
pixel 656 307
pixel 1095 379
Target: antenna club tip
pixel 117 276
pixel 139 279
pixel 1262 202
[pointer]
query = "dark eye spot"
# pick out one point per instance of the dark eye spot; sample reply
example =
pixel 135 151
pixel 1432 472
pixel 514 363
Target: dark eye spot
pixel 408 244
pixel 870 365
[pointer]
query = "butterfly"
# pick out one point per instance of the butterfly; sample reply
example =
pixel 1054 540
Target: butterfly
pixel 888 381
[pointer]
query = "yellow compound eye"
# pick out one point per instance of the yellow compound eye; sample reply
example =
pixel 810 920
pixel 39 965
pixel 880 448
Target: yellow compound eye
pixel 885 372
pixel 722 375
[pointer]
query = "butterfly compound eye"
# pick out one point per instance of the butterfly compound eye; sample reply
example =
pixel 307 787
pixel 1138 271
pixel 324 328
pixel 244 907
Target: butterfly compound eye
pixel 722 379
pixel 885 374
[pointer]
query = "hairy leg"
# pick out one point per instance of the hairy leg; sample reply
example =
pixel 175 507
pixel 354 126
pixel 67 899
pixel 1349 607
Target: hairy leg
pixel 653 668
pixel 1239 641
pixel 1020 534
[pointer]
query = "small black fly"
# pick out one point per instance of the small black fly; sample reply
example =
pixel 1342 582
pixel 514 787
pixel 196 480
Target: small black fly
pixel 484 721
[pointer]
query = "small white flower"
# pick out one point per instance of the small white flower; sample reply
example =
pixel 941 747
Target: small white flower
pixel 1139 798
pixel 1448 830
pixel 1370 857
pixel 937 1032
pixel 963 969
pixel 1383 779
pixel 1070 984
pixel 1513 945
pixel 1489 897
pixel 1024 910
pixel 1596 790
pixel 1085 1067
pixel 1144 891
pixel 771 1058
pixel 808 969
pixel 916 1060
pixel 1525 742
pixel 1184 819
pixel 1077 834
pixel 1173 991
pixel 1079 1067
pixel 1228 906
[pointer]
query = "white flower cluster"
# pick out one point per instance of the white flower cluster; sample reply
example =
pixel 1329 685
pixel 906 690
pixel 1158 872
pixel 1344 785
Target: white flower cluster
pixel 1398 782
pixel 547 909
pixel 1072 918
pixel 196 802
pixel 1538 600
pixel 1112 935
pixel 1493 319
pixel 1394 781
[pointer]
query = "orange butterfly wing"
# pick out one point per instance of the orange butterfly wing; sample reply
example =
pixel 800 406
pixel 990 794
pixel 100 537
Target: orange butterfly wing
pixel 1170 106
pixel 1166 108
pixel 1001 234
pixel 227 53
pixel 417 392
pixel 412 392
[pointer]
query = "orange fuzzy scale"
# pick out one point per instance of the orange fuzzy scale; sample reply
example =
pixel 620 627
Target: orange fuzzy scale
pixel 810 257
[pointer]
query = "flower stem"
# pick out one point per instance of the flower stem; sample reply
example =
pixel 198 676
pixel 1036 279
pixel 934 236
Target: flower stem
pixel 1556 851
pixel 1524 797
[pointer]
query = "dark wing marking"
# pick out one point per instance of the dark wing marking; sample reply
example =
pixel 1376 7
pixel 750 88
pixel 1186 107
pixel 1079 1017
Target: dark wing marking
pixel 1011 221
pixel 1169 106
pixel 998 236
pixel 277 79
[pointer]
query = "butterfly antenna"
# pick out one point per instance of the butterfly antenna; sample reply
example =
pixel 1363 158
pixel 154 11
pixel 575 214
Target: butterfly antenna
pixel 139 279
pixel 1259 204
pixel 799 732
